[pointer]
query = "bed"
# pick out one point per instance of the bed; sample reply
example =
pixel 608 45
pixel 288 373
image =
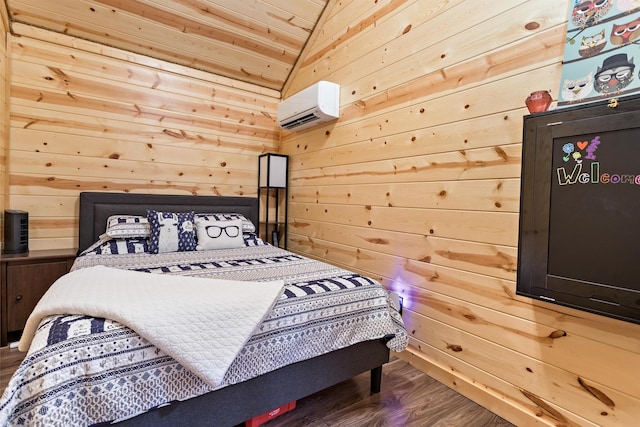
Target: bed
pixel 278 376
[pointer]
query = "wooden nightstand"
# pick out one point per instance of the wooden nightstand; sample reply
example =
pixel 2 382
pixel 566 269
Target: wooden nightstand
pixel 25 278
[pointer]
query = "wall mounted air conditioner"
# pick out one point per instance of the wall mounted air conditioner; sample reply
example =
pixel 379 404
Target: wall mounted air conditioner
pixel 312 106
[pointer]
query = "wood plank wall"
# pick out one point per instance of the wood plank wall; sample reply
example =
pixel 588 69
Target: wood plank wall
pixel 86 117
pixel 4 111
pixel 417 184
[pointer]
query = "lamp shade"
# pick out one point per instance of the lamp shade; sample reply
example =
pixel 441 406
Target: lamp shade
pixel 273 170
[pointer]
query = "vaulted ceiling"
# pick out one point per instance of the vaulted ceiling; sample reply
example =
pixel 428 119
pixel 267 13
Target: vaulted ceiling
pixel 256 41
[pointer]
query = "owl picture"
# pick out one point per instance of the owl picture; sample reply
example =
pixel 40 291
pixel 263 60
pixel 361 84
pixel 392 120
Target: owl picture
pixel 588 12
pixel 623 34
pixel 615 74
pixel 592 45
pixel 577 89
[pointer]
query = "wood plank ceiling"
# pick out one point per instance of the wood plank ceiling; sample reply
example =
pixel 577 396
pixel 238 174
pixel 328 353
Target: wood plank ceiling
pixel 255 41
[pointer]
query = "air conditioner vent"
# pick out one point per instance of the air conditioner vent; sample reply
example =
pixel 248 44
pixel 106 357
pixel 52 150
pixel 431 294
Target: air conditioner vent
pixel 312 106
pixel 299 121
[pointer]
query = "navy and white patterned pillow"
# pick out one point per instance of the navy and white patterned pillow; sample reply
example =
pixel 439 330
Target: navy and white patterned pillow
pixel 171 232
pixel 118 247
pixel 127 226
pixel 252 239
pixel 247 225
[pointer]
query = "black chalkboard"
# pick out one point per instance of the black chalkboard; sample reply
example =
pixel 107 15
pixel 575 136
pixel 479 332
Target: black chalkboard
pixel 594 219
pixel 579 230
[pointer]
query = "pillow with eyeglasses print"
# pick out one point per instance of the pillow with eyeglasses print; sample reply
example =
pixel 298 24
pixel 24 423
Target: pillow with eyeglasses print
pixel 247 225
pixel 212 234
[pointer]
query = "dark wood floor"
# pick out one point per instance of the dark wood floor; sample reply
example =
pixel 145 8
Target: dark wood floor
pixel 409 398
pixel 10 359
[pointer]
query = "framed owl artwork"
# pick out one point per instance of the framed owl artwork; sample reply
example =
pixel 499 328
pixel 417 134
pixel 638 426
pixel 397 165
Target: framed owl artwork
pixel 601 50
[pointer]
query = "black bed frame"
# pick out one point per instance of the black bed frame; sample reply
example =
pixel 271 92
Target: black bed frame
pixel 231 405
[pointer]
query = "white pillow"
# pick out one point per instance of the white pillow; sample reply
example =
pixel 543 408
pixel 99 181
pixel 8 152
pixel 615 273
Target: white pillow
pixel 212 234
pixel 247 225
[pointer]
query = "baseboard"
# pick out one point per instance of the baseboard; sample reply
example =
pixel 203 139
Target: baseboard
pixel 500 404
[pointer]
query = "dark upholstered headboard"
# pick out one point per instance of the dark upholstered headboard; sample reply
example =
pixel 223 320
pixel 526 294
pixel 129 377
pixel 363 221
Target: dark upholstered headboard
pixel 96 207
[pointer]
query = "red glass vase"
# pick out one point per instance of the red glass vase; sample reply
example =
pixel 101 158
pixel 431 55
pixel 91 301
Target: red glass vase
pixel 538 101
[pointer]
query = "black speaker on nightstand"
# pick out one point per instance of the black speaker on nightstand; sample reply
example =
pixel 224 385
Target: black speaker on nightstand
pixel 16 232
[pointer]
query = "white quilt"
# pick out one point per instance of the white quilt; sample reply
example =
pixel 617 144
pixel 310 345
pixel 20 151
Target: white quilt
pixel 202 323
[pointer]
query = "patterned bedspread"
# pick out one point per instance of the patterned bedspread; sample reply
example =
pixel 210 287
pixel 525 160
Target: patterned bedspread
pixel 83 371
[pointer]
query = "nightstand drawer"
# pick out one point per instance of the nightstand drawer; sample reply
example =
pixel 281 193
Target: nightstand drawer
pixel 26 283
pixel 25 278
